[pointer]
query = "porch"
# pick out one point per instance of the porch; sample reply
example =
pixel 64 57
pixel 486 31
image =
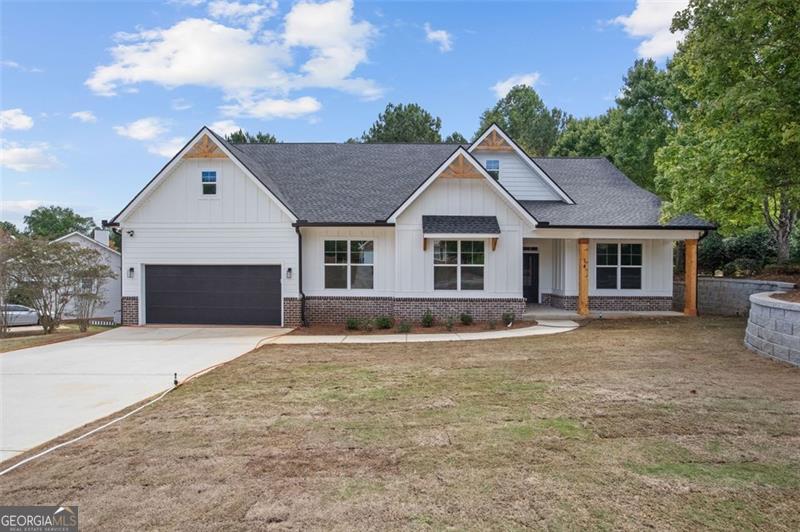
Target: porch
pixel 538 312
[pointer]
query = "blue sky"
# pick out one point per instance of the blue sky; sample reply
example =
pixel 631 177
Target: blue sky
pixel 96 96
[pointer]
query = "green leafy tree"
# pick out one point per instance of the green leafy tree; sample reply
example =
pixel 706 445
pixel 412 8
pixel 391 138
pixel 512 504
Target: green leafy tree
pixel 243 137
pixel 524 116
pixel 9 228
pixel 456 138
pixel 641 122
pixel 734 157
pixel 404 123
pixel 53 222
pixel 584 137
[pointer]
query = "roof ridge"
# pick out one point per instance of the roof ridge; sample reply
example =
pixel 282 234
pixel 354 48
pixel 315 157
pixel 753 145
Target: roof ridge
pixel 332 143
pixel 593 157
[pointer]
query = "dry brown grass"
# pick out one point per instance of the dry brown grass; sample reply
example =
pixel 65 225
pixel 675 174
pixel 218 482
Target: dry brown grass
pixel 622 424
pixel 28 338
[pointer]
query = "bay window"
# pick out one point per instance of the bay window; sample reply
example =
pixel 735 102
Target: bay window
pixel 618 266
pixel 458 264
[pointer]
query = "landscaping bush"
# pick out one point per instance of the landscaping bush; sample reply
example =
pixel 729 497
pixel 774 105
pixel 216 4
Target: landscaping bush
pixel 711 253
pixel 352 324
pixel 366 325
pixel 792 268
pixel 384 322
pixel 466 318
pixel 755 243
pixel 742 268
pixel 427 319
pixel 449 323
pixel 492 324
pixel 508 318
pixel 404 327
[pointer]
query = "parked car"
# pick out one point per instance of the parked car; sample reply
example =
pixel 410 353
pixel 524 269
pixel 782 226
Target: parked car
pixel 20 315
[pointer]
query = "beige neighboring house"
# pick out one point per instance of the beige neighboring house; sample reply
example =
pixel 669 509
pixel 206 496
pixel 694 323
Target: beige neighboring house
pixel 112 288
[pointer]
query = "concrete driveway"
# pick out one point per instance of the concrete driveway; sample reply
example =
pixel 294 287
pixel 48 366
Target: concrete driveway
pixel 49 390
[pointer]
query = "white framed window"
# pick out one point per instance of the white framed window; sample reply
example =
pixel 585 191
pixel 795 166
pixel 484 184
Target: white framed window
pixel 349 264
pixel 208 181
pixel 458 264
pixel 493 168
pixel 619 266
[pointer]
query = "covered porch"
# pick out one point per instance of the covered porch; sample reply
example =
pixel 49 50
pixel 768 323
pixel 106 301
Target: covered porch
pixel 572 273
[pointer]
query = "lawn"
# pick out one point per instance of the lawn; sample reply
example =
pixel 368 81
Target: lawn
pixel 28 338
pixel 621 424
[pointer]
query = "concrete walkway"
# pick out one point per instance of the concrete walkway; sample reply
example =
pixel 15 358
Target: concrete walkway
pixel 543 327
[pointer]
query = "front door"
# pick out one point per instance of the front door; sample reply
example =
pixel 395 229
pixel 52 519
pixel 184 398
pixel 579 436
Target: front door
pixel 530 277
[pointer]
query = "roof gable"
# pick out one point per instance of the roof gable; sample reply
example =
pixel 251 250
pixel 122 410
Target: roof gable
pixel 462 165
pixel 88 239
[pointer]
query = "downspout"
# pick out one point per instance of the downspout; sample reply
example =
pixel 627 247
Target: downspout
pixel 300 275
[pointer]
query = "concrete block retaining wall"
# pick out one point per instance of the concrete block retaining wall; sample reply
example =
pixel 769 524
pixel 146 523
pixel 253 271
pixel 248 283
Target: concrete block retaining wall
pixel 725 297
pixel 773 328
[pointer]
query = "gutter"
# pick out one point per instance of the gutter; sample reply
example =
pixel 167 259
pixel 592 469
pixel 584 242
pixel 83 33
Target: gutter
pixel 706 228
pixel 300 274
pixel 376 223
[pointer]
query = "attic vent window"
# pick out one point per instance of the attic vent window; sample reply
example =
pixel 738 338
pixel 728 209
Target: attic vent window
pixel 493 168
pixel 209 183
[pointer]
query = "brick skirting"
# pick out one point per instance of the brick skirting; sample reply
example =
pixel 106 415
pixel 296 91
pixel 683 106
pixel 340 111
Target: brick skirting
pixel 291 312
pixel 336 310
pixel 130 310
pixel 611 303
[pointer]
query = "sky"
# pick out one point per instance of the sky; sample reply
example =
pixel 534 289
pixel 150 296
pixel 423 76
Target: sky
pixel 95 97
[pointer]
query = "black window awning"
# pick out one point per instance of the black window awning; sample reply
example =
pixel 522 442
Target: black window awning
pixel 473 226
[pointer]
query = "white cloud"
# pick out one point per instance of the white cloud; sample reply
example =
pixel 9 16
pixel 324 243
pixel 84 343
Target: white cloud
pixel 84 116
pixel 441 37
pixel 502 87
pixel 143 129
pixel 268 108
pixel 15 119
pixel 22 68
pixel 167 148
pixel 191 3
pixel 27 157
pixel 179 104
pixel 251 14
pixel 20 206
pixel 224 127
pixel 246 64
pixel 651 20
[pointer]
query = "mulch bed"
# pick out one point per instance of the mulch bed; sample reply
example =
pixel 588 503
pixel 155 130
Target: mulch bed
pixel 793 296
pixel 416 328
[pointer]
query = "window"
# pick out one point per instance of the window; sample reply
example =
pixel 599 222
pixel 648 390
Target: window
pixel 209 183
pixel 458 264
pixel 493 168
pixel 349 264
pixel 619 266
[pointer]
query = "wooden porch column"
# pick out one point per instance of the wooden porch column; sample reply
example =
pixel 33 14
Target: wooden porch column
pixel 583 276
pixel 690 270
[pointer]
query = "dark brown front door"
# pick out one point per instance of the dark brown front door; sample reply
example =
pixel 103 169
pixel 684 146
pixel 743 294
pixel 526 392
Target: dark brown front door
pixel 530 277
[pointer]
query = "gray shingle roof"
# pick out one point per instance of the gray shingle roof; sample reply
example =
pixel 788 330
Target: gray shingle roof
pixel 365 183
pixel 485 225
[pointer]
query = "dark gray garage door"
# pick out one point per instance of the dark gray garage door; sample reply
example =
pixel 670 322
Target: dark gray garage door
pixel 228 295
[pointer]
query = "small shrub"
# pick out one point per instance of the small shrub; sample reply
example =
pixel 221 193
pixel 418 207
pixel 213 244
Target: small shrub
pixel 352 324
pixel 427 319
pixel 404 327
pixel 366 325
pixel 449 323
pixel 384 322
pixel 492 324
pixel 742 268
pixel 466 318
pixel 508 318
pixel 792 268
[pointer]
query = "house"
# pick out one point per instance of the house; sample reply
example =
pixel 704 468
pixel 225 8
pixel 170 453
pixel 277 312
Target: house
pixel 111 289
pixel 318 232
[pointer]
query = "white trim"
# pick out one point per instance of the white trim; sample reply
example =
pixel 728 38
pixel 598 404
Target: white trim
pixel 160 176
pixel 636 234
pixel 348 264
pixel 524 156
pixel 458 266
pixel 90 239
pixel 499 189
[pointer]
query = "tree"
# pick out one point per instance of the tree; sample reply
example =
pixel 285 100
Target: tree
pixel 640 124
pixel 243 137
pixel 53 222
pixel 456 138
pixel 89 291
pixel 50 274
pixel 5 277
pixel 734 157
pixel 9 228
pixel 524 116
pixel 584 137
pixel 404 123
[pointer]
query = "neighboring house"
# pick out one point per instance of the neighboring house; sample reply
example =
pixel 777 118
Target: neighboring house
pixel 274 233
pixel 111 290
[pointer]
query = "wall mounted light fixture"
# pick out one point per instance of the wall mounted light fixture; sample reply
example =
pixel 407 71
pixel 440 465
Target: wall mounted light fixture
pixel 130 272
pixel 288 273
pixel 130 233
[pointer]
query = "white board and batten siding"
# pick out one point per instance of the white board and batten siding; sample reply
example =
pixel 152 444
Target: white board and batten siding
pixel 177 225
pixel 518 177
pixel 459 197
